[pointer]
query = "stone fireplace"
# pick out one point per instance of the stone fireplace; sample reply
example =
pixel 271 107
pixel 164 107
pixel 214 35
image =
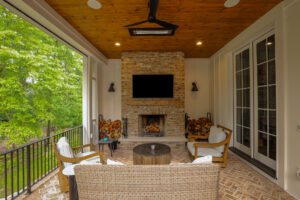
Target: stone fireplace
pixel 167 114
pixel 151 125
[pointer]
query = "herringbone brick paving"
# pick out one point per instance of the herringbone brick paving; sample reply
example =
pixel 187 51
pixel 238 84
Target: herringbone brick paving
pixel 237 181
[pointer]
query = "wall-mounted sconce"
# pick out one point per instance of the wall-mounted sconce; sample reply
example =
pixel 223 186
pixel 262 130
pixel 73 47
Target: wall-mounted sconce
pixel 111 88
pixel 194 87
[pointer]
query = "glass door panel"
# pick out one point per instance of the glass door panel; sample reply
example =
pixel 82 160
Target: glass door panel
pixel 243 100
pixel 265 100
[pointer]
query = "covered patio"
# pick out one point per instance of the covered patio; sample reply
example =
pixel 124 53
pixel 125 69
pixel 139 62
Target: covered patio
pixel 210 81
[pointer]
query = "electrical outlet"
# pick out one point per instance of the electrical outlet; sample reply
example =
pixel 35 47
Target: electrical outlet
pixel 298 173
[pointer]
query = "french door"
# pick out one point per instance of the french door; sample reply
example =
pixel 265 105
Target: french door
pixel 243 100
pixel 265 100
pixel 255 107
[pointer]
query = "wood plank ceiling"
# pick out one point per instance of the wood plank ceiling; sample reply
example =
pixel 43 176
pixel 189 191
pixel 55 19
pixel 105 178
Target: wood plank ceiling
pixel 205 20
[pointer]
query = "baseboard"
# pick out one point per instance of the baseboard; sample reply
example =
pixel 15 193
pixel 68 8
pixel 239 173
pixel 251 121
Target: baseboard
pixel 269 171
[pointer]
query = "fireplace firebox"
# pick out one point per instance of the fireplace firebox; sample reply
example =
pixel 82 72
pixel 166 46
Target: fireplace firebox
pixel 151 125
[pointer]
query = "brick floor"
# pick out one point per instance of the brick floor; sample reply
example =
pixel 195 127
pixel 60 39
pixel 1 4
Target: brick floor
pixel 237 181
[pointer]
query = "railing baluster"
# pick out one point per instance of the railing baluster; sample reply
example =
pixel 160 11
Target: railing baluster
pixel 28 170
pixel 18 186
pixel 12 174
pixel 23 170
pixel 49 149
pixel 41 158
pixel 5 176
pixel 44 156
pixel 33 164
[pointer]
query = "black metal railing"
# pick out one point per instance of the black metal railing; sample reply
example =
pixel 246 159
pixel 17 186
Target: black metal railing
pixel 23 167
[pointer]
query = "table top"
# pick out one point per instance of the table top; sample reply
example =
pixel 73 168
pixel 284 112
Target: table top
pixel 146 150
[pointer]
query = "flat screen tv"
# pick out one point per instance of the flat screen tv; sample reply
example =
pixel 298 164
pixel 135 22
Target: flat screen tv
pixel 152 86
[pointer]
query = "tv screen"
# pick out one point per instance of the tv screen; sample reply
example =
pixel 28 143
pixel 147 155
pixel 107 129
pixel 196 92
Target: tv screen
pixel 152 86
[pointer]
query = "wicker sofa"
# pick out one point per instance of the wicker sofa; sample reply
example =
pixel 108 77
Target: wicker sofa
pixel 179 181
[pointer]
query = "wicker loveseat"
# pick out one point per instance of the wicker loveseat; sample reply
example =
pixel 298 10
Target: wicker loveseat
pixel 179 181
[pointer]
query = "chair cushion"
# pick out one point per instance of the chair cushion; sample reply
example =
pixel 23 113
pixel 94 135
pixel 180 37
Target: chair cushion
pixel 203 160
pixel 64 149
pixel 203 151
pixel 112 162
pixel 216 135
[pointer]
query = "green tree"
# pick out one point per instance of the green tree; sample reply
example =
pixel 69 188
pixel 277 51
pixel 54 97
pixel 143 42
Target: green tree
pixel 40 81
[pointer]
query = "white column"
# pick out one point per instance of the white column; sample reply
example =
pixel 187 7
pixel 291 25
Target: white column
pixel 86 100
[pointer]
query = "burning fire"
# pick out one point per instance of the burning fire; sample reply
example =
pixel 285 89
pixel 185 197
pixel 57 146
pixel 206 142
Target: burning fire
pixel 152 128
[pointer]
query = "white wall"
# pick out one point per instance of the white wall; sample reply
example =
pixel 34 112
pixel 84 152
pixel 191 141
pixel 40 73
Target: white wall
pixel 284 19
pixel 197 104
pixel 110 101
pixel 292 64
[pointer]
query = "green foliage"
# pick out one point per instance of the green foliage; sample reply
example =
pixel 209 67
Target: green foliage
pixel 40 81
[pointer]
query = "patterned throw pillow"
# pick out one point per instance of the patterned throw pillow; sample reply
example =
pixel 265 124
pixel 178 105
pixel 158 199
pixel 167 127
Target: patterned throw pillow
pixel 111 129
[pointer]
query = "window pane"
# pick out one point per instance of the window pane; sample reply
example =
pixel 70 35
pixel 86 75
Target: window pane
pixel 272 97
pixel 239 134
pixel 246 78
pixel 246 117
pixel 261 51
pixel 246 63
pixel 239 98
pixel 262 97
pixel 272 147
pixel 262 77
pixel 262 120
pixel 246 98
pixel 272 122
pixel 246 137
pixel 262 143
pixel 272 72
pixel 271 47
pixel 238 62
pixel 239 80
pixel 239 115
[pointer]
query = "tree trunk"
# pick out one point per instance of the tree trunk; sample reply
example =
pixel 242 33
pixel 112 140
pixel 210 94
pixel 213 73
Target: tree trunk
pixel 48 128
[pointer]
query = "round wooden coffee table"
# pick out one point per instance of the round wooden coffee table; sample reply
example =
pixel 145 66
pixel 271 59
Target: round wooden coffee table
pixel 144 155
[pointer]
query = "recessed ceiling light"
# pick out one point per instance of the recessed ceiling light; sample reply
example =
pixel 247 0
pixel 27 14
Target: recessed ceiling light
pixel 231 3
pixel 118 44
pixel 199 43
pixel 94 4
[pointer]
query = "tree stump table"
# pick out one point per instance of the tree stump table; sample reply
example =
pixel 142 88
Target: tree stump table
pixel 151 154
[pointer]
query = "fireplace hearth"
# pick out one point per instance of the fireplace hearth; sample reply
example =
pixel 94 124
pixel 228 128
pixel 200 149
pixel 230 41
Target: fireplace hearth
pixel 151 125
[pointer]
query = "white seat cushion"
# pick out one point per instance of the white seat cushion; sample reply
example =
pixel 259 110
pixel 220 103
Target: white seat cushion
pixel 64 149
pixel 113 162
pixel 203 160
pixel 203 151
pixel 216 135
pixel 93 160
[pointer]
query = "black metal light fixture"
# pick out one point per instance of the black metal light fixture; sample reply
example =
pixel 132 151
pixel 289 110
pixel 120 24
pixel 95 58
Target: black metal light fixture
pixel 165 29
pixel 151 31
pixel 194 87
pixel 111 88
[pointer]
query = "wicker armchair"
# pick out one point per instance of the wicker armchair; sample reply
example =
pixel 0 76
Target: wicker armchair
pixel 151 182
pixel 62 160
pixel 217 147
